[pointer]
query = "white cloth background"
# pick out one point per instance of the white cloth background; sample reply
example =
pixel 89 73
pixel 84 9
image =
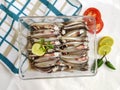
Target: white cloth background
pixel 105 79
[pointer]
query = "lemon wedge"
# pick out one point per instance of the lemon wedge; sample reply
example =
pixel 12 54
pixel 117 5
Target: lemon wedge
pixel 38 49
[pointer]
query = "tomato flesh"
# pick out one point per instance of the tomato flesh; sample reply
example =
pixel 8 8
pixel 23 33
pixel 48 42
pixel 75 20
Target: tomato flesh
pixel 99 26
pixel 92 12
pixel 97 15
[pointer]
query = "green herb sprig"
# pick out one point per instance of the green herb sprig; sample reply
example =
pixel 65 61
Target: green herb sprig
pixel 45 44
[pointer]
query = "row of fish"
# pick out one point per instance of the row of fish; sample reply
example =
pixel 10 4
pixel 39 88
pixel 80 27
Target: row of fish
pixel 70 42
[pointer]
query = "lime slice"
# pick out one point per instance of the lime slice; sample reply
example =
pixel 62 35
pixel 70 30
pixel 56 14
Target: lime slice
pixel 106 40
pixel 104 49
pixel 38 49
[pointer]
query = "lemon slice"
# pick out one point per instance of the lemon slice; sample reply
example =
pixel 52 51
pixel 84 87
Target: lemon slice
pixel 104 49
pixel 38 49
pixel 106 40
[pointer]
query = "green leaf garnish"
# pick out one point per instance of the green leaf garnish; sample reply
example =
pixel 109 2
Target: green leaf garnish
pixel 50 46
pixel 42 41
pixel 46 45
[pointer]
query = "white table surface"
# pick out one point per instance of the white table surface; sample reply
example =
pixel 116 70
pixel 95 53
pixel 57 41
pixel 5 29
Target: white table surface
pixel 105 79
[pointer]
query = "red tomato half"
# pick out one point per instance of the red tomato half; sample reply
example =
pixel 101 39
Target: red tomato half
pixel 92 12
pixel 99 26
pixel 97 15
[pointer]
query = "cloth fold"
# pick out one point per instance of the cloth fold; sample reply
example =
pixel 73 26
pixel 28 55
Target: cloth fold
pixel 11 10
